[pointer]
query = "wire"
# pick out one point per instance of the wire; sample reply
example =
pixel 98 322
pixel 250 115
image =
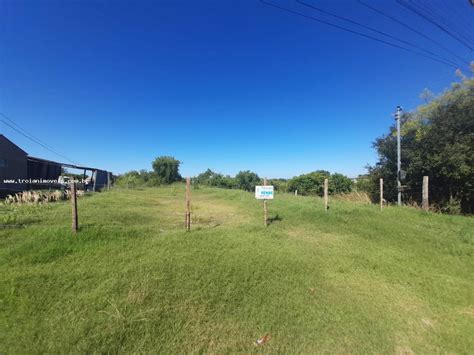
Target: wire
pixel 439 16
pixel 374 30
pixel 24 130
pixel 412 9
pixel 413 29
pixel 29 136
pixel 435 15
pixel 355 32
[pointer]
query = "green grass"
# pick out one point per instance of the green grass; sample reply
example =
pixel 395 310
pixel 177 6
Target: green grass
pixel 351 280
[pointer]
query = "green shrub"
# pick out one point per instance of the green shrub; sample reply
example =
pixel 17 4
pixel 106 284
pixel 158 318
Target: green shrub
pixel 247 180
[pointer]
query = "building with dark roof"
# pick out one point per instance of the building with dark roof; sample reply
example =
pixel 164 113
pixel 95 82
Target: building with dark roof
pixel 13 166
pixel 20 172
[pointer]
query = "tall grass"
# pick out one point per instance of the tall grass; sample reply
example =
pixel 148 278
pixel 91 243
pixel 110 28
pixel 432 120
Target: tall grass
pixel 352 280
pixel 41 196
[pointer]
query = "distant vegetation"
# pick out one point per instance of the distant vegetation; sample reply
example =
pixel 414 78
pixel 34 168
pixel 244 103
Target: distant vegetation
pixel 165 171
pixel 313 183
pixel 437 141
pixel 306 184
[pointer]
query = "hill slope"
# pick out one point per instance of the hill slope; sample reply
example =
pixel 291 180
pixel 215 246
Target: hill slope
pixel 354 279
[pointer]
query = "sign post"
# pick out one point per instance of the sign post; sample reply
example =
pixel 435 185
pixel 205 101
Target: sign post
pixel 264 193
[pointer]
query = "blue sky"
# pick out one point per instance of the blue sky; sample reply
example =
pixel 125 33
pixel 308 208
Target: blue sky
pixel 226 85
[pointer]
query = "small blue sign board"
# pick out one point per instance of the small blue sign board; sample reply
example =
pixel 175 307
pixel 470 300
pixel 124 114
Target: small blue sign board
pixel 264 192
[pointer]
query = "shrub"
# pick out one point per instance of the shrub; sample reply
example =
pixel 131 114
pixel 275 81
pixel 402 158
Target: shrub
pixel 339 184
pixel 308 184
pixel 247 180
pixel 313 183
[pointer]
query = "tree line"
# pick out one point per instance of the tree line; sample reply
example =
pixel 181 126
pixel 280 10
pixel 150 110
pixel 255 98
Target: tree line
pixel 306 184
pixel 166 171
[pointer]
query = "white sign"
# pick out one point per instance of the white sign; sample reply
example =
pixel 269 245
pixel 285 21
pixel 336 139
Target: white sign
pixel 264 192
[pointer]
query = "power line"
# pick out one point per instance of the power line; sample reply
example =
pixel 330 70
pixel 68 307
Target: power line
pixel 435 15
pixel 35 141
pixel 457 19
pixel 413 29
pixel 458 14
pixel 25 131
pixel 17 128
pixel 447 31
pixel 355 32
pixel 374 30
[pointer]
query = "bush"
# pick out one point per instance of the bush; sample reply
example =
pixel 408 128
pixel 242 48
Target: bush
pixel 211 178
pixel 131 179
pixel 247 180
pixel 308 184
pixel 313 183
pixel 362 184
pixel 339 184
pixel 280 185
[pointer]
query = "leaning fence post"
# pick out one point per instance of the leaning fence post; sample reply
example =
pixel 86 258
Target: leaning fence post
pixel 426 205
pixel 326 194
pixel 75 223
pixel 188 205
pixel 381 194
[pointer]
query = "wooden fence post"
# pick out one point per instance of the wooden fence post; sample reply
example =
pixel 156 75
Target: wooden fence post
pixel 381 194
pixel 426 205
pixel 265 210
pixel 75 224
pixel 296 192
pixel 326 183
pixel 188 205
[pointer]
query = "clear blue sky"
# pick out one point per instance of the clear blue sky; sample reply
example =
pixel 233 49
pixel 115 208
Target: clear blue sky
pixel 226 85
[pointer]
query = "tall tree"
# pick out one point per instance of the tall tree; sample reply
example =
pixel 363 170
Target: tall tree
pixel 247 180
pixel 166 169
pixel 438 141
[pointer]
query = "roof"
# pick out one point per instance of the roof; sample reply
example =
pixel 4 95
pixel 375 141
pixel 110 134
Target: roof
pixel 13 144
pixel 41 160
pixel 45 161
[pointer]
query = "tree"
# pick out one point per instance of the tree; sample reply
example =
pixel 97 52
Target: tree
pixel 339 184
pixel 313 183
pixel 437 141
pixel 166 169
pixel 205 177
pixel 247 180
pixel 211 178
pixel 309 184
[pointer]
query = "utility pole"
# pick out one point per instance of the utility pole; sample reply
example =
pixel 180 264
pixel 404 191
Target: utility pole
pixel 398 115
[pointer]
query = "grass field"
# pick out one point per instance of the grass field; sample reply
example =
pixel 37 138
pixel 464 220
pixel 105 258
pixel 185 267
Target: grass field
pixel 351 280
